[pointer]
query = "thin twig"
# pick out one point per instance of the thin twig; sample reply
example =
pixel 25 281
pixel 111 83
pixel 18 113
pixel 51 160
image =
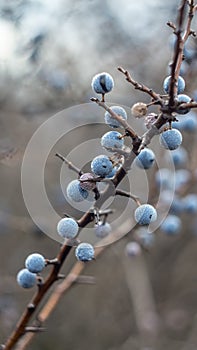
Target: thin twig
pixel 128 195
pixel 71 278
pixel 130 132
pixel 140 87
pixel 69 164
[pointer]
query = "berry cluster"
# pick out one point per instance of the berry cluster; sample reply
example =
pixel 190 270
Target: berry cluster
pixel 111 167
pixel 34 264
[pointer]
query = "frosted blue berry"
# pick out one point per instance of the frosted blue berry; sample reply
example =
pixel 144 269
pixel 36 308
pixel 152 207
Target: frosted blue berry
pixel 171 225
pixel 75 192
pixel 190 203
pixel 145 159
pixel 181 98
pixel 187 123
pixel 87 185
pixel 180 84
pixel 35 263
pixel 102 230
pixel 109 120
pixel 84 252
pixel 26 279
pixel 171 139
pixel 145 214
pixel 101 165
pixel 190 123
pixel 113 172
pixel 112 139
pixel 67 228
pixel 102 83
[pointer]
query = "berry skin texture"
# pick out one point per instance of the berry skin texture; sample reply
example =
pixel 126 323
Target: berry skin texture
pixel 101 165
pixel 67 228
pixel 113 172
pixel 171 139
pixel 84 252
pixel 26 279
pixel 180 84
pixel 75 192
pixel 145 214
pixel 87 185
pixel 109 120
pixel 145 159
pixel 102 83
pixel 112 139
pixel 35 263
pixel 171 225
pixel 187 123
pixel 183 99
pixel 102 230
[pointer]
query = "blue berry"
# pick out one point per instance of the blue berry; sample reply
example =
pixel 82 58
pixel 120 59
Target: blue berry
pixel 187 123
pixel 181 98
pixel 75 192
pixel 171 225
pixel 171 139
pixel 145 214
pixel 87 185
pixel 102 230
pixel 26 279
pixel 180 84
pixel 102 83
pixel 113 172
pixel 109 120
pixel 190 203
pixel 145 159
pixel 35 263
pixel 67 228
pixel 84 252
pixel 101 165
pixel 179 157
pixel 112 139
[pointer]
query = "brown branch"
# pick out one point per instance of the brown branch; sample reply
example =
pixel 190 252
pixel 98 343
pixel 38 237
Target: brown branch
pixel 129 131
pixel 69 164
pixel 128 195
pixel 140 87
pixel 71 278
pixel 31 308
pixel 187 105
pixel 179 46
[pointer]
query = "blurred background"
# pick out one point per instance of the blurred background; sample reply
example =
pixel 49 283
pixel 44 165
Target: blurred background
pixel 49 52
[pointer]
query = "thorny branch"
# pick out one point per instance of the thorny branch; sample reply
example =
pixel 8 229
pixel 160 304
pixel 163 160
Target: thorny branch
pixel 21 329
